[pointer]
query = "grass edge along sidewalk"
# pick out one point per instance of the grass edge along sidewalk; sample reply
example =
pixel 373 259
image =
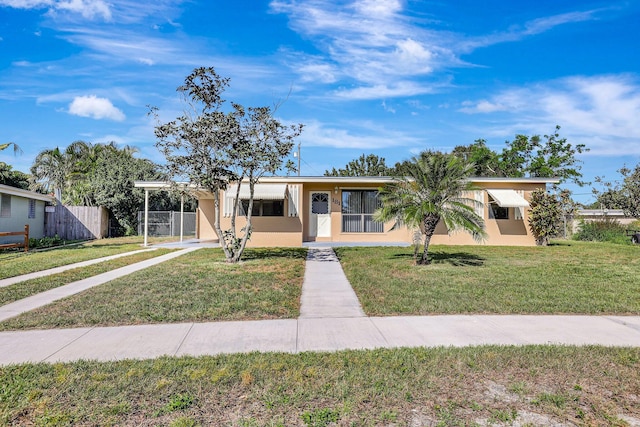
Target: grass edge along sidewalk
pixel 17 264
pixel 55 270
pixel 198 287
pixel 565 278
pixel 30 303
pixel 488 385
pixel 27 288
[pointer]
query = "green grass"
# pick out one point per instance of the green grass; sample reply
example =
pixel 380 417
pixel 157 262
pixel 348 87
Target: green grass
pixel 399 387
pixel 565 278
pixel 31 287
pixel 198 286
pixel 19 263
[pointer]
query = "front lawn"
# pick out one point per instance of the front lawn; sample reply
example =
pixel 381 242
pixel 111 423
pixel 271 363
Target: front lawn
pixel 565 278
pixel 195 287
pixel 27 288
pixel 19 263
pixel 533 385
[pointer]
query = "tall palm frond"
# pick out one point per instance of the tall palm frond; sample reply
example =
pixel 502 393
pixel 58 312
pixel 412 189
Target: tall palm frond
pixel 16 148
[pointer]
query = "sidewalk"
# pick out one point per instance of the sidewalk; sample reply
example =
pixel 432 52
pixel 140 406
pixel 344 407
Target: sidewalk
pixel 17 279
pixel 329 321
pixel 300 335
pixel 31 303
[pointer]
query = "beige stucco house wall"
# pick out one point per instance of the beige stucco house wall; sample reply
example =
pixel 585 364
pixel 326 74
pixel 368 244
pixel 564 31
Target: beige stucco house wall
pixel 295 199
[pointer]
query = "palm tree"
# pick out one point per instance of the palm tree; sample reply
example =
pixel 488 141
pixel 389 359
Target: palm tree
pixel 52 169
pixel 6 145
pixel 435 189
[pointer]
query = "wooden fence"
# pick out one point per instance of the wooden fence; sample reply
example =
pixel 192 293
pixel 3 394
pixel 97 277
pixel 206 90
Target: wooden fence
pixel 24 244
pixel 77 222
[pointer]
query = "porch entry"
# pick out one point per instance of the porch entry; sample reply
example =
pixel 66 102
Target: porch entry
pixel 319 214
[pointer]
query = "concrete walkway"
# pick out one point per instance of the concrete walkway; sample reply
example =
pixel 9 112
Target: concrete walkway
pixel 17 279
pixel 326 292
pixel 331 319
pixel 31 303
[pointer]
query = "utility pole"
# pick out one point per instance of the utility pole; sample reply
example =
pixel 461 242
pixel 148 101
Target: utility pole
pixel 297 154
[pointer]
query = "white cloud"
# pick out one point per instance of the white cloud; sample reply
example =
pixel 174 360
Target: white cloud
pixel 367 41
pixel 600 111
pixel 89 9
pixel 362 135
pixel 26 4
pixel 373 44
pixel 400 89
pixel 96 108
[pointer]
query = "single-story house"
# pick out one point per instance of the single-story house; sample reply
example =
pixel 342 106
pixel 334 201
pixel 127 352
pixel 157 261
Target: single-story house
pixel 20 207
pixel 591 215
pixel 289 211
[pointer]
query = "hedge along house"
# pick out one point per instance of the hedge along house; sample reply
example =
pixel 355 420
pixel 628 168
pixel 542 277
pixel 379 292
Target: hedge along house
pixel 290 211
pixel 20 207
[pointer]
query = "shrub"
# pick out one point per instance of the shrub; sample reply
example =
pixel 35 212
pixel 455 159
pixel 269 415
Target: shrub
pixel 45 242
pixel 606 230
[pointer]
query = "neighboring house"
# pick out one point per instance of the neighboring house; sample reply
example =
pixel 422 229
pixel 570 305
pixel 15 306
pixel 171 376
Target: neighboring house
pixel 289 211
pixel 591 215
pixel 20 207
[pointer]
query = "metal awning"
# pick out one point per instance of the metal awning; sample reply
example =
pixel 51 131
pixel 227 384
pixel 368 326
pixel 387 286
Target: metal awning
pixel 508 198
pixel 261 191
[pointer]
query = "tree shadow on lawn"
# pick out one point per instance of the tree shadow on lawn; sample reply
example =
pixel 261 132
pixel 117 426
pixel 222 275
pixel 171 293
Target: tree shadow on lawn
pixel 457 259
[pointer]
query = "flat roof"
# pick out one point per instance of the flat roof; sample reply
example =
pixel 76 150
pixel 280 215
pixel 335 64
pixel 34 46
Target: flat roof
pixel 156 185
pixel 14 191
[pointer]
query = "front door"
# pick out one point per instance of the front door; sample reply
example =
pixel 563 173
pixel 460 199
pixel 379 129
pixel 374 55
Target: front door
pixel 320 214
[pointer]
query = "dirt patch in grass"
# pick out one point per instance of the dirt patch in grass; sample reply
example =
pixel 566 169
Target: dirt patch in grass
pixel 539 385
pixel 568 278
pixel 195 287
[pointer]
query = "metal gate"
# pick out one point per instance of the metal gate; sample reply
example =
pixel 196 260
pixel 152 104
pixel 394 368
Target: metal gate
pixel 167 223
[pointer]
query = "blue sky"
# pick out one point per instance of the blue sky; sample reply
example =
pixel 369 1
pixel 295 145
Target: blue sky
pixel 388 77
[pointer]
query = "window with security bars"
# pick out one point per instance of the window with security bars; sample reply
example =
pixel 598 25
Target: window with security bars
pixel 32 209
pixel 358 207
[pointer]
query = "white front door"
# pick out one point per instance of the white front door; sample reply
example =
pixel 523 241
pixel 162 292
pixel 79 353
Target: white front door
pixel 320 214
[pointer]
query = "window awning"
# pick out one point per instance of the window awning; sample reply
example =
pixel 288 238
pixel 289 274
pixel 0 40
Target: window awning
pixel 508 198
pixel 261 191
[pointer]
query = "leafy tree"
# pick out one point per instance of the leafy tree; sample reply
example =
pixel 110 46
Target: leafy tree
pixel 369 165
pixel 433 190
pixel 535 157
pixel 13 178
pixel 112 185
pixel 87 174
pixel 213 147
pixel 544 216
pixel 485 160
pixel 625 196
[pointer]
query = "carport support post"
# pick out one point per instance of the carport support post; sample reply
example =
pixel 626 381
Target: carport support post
pixel 146 215
pixel 181 215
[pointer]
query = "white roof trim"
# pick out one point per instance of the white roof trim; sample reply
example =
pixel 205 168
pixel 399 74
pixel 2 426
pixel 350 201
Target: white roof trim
pixel 508 198
pixel 19 192
pixel 261 191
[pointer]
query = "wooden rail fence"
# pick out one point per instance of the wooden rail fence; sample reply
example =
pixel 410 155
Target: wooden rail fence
pixel 24 244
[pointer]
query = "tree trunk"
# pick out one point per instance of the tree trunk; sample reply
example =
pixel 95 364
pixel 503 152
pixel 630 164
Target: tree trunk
pixel 429 224
pixel 216 224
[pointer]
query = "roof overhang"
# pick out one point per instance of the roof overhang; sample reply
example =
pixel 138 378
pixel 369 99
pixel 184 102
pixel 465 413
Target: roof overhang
pixel 7 189
pixel 508 198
